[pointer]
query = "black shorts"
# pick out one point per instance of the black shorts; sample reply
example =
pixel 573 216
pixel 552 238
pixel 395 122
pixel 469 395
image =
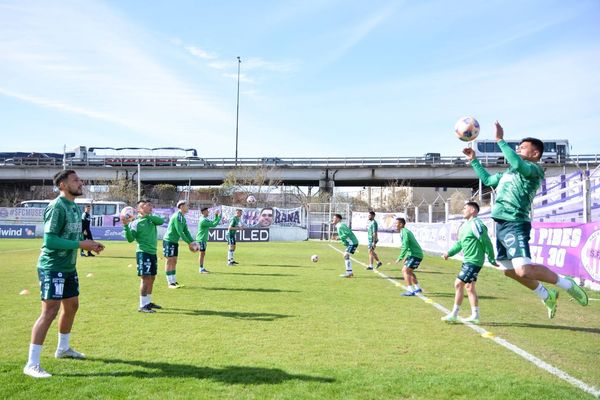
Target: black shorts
pixel 58 285
pixel 468 272
pixel 512 239
pixel 170 249
pixel 146 264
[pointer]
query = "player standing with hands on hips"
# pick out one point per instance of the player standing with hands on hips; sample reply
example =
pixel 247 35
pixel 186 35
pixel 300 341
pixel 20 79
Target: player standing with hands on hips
pixel 516 188
pixel 59 284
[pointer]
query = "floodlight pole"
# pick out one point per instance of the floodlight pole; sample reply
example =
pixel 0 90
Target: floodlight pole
pixel 237 116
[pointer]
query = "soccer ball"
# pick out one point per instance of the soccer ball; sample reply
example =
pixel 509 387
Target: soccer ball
pixel 195 247
pixel 127 213
pixel 251 199
pixel 467 129
pixel 314 258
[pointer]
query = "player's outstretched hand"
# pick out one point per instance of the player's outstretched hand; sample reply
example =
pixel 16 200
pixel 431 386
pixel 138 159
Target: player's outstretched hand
pixel 469 153
pixel 445 256
pixel 499 131
pixel 193 246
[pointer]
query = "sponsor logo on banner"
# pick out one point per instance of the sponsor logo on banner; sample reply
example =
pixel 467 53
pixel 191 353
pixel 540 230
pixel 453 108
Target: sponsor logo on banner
pixel 22 214
pixel 590 255
pixel 242 235
pixel 17 231
pixel 108 233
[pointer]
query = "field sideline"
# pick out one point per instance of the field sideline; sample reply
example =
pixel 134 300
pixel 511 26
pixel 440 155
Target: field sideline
pixel 280 326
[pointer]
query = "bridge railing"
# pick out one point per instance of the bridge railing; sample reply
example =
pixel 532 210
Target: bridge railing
pixel 582 160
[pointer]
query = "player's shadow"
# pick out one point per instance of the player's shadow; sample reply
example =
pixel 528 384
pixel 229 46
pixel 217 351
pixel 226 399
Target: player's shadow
pixel 252 274
pixel 423 271
pixel 256 290
pixel 232 374
pixel 282 265
pixel 451 295
pixel 544 326
pixel 250 316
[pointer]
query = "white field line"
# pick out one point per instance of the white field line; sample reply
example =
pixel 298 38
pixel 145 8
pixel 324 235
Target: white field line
pixel 489 335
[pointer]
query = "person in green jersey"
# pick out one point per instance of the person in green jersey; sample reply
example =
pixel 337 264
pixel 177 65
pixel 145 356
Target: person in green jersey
pixel 475 244
pixel 372 237
pixel 143 230
pixel 59 284
pixel 234 226
pixel 204 224
pixel 349 240
pixel 516 188
pixel 411 256
pixel 177 229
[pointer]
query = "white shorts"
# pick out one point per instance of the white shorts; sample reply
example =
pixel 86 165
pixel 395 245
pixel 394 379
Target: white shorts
pixel 515 263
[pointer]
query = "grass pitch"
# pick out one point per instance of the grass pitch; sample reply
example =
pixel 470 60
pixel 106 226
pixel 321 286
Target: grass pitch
pixel 279 326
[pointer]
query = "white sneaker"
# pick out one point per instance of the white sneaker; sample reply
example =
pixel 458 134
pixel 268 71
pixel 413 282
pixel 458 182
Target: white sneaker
pixel 69 353
pixel 36 371
pixel 472 319
pixel 348 274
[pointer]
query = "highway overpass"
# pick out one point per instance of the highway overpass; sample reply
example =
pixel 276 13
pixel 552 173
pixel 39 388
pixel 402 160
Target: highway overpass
pixel 324 172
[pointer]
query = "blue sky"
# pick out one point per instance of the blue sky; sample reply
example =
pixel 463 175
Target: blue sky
pixel 318 78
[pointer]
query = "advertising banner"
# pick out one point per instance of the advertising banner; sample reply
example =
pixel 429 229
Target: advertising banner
pixel 386 222
pixel 242 235
pixel 17 231
pixel 21 214
pixel 568 248
pixel 108 233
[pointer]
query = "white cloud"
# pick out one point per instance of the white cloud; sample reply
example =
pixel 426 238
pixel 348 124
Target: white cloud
pixel 84 59
pixel 198 52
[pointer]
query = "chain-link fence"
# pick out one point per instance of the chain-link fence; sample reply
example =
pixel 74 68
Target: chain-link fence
pixel 319 219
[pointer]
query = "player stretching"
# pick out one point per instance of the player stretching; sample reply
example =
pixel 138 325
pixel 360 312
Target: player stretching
pixel 177 229
pixel 204 224
pixel 234 226
pixel 475 243
pixel 516 188
pixel 411 255
pixel 349 240
pixel 373 238
pixel 143 230
pixel 59 285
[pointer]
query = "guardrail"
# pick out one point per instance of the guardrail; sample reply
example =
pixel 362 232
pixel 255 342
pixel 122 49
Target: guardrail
pixel 372 162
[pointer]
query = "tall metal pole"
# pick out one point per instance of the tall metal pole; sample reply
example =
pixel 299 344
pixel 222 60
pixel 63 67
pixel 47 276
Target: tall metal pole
pixel 237 116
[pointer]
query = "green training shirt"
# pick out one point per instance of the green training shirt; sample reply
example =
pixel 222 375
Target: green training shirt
pixel 204 224
pixel 346 235
pixel 62 233
pixel 235 221
pixel 372 228
pixel 474 242
pixel 516 187
pixel 178 229
pixel 143 230
pixel 410 246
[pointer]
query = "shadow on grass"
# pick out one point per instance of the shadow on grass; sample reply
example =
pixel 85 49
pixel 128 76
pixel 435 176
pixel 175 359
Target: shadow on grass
pixel 282 265
pixel 257 290
pixel 251 274
pixel 451 295
pixel 227 314
pixel 233 374
pixel 544 326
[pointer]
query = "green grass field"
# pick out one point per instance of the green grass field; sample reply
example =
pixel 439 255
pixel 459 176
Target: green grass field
pixel 279 326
